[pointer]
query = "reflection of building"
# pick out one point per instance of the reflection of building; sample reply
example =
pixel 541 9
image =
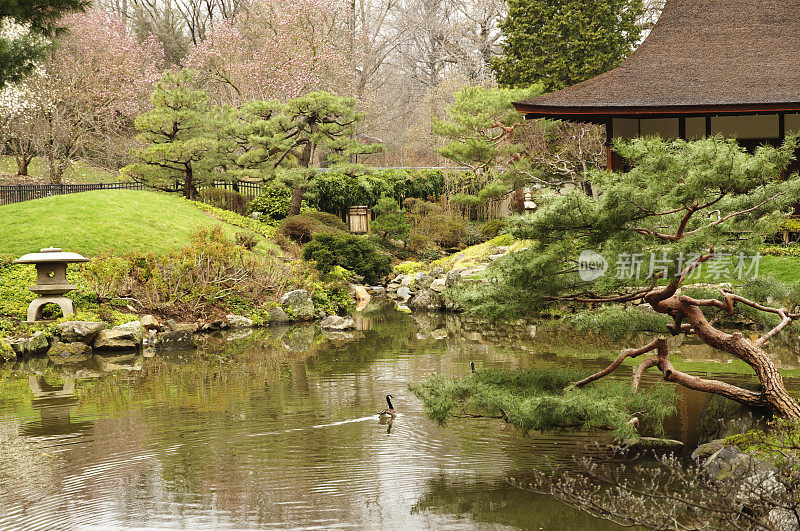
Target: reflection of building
pixel 708 67
pixel 54 405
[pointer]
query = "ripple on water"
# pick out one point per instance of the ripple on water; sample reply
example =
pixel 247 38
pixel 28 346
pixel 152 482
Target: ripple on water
pixel 272 438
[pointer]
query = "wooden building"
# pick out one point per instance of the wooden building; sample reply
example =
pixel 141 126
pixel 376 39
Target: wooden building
pixel 708 67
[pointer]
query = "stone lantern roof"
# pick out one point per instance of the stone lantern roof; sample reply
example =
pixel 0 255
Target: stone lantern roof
pixel 51 254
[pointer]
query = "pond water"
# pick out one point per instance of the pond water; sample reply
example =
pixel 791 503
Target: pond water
pixel 279 429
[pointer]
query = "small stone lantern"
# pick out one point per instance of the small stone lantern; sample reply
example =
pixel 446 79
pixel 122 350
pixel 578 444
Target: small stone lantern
pixel 51 280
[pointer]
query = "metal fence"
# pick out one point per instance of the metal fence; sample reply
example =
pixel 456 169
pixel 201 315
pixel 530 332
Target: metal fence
pixel 17 193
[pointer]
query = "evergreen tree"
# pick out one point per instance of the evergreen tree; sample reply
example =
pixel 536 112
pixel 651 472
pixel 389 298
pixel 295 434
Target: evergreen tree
pixel 177 132
pixel 480 127
pixel 391 221
pixel 558 43
pixel 680 206
pixel 38 21
pixel 285 138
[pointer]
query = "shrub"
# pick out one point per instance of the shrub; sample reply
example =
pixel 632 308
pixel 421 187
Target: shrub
pixel 543 400
pixel 433 223
pixel 781 250
pixel 350 252
pixel 302 228
pixel 235 219
pixel 246 240
pixel 224 199
pixel 492 228
pixel 391 221
pixel 273 202
pixel 330 220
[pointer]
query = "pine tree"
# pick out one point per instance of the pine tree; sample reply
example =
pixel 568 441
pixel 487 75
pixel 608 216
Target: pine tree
pixel 178 134
pixel 285 138
pixel 680 206
pixel 481 131
pixel 558 43
pixel 38 21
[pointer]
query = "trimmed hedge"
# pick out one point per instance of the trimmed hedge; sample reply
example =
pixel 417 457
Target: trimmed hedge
pixel 335 192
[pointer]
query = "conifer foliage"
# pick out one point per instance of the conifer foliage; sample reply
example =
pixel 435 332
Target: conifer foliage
pixel 680 206
pixel 563 42
pixel 35 20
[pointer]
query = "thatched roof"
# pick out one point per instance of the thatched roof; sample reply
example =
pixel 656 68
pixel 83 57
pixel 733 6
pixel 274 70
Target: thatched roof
pixel 702 57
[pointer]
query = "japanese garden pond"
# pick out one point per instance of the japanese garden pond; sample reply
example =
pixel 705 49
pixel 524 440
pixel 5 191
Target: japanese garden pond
pixel 279 429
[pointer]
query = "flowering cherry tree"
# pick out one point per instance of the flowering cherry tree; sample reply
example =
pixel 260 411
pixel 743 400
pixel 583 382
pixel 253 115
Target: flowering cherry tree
pixel 280 49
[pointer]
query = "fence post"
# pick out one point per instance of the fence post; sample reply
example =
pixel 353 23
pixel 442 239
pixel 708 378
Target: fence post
pixel 19 193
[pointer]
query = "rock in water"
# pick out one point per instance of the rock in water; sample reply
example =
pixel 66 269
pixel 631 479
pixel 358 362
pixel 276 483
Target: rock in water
pixel 361 293
pixel 175 340
pixel 61 353
pixel 83 331
pixel 239 321
pixel 150 323
pixel 24 347
pixel 298 304
pixel 126 336
pixel 277 316
pixel 334 322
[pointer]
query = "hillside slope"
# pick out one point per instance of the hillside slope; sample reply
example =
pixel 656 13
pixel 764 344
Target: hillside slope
pixel 102 220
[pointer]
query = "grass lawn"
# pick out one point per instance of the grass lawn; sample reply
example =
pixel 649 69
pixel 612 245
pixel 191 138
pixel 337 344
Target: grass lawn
pixel 78 172
pixel 103 220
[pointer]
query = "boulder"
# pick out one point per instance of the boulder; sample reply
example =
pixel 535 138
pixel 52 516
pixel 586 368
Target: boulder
pixel 61 353
pixel 83 331
pixel 175 340
pixel 334 322
pixel 438 285
pixel 125 336
pixel 150 323
pixel 424 282
pixel 239 321
pixel 404 293
pixel 426 300
pixel 708 449
pixel 722 418
pixel 782 519
pixel 297 303
pixel 436 272
pixel 378 291
pixel 24 347
pixel 398 279
pixel 452 277
pixel 361 294
pixel 6 352
pixel 408 281
pixel 732 462
pixel 277 315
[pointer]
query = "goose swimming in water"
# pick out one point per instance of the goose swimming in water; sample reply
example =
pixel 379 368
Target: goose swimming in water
pixel 388 413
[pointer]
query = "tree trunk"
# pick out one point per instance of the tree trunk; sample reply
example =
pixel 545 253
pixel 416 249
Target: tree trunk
pixel 297 200
pixel 22 165
pixel 189 191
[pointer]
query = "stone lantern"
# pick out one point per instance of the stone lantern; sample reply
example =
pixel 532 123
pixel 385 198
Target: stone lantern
pixel 51 280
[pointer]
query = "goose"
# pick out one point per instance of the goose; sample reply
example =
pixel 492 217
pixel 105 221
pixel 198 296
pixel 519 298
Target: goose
pixel 389 412
pixel 472 366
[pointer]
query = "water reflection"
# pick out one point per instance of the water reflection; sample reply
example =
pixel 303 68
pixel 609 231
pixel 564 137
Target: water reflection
pixel 280 428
